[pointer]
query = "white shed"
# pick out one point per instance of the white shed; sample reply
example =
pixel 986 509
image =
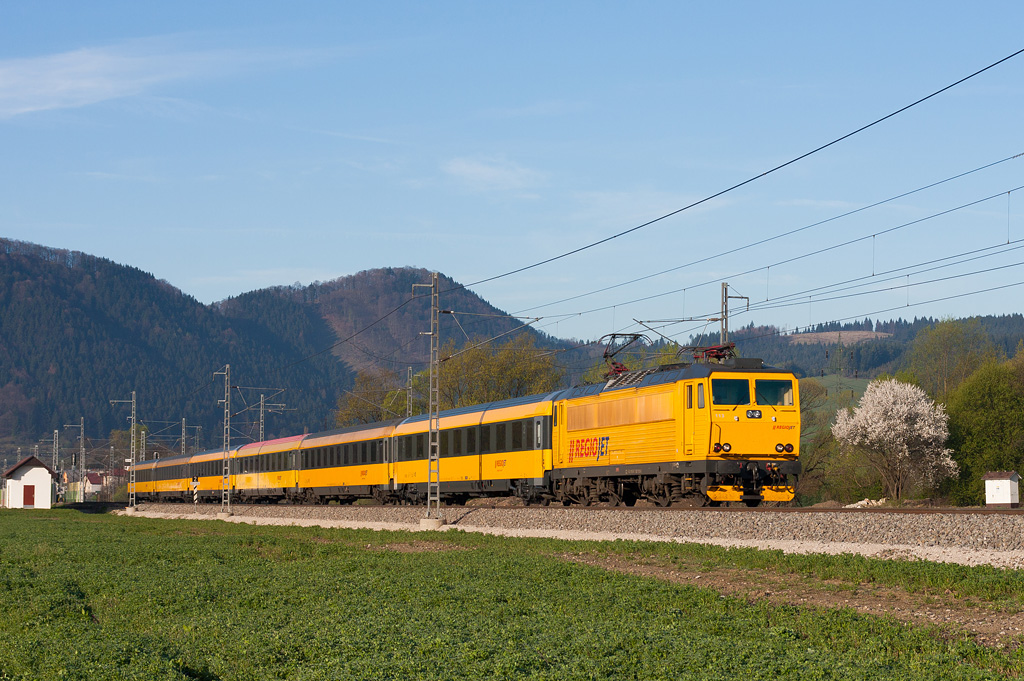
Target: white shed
pixel 28 484
pixel 1002 489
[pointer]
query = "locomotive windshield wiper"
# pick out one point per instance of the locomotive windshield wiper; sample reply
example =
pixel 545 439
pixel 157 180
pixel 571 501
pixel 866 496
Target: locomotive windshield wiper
pixel 766 402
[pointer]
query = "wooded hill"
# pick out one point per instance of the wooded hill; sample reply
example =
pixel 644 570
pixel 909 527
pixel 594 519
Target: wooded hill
pixel 79 331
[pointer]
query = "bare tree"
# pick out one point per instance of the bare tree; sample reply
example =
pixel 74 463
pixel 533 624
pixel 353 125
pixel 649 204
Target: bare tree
pixel 902 434
pixel 944 355
pixel 377 395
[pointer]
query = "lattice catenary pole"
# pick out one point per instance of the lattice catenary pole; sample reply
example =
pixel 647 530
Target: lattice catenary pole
pixel 131 460
pixel 225 482
pixel 434 404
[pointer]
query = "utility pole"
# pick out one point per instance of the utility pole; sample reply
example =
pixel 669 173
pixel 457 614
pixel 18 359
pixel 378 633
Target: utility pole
pixel 142 446
pixel 408 395
pixel 183 433
pixel 56 449
pixel 724 335
pixel 433 516
pixel 225 481
pixel 131 460
pixel 272 408
pixel 81 455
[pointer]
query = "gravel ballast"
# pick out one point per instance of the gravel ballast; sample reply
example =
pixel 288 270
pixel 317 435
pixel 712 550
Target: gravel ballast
pixel 970 539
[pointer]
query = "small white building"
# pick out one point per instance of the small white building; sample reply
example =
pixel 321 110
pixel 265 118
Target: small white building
pixel 1002 489
pixel 28 484
pixel 93 484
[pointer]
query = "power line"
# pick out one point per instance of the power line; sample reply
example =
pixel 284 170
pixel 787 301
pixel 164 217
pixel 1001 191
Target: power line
pixel 774 237
pixel 667 215
pixel 741 184
pixel 862 315
pixel 794 258
pixel 1002 248
pixel 908 285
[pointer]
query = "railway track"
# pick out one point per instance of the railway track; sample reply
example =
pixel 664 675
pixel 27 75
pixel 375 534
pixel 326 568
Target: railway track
pixel 949 534
pixel 604 508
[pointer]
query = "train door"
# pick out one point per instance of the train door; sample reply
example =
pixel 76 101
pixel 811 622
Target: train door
pixel 701 431
pixel 387 446
pixel 538 441
pixel 688 419
pixel 479 451
pixel 559 443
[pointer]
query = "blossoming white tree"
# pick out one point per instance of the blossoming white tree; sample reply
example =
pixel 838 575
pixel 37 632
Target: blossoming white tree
pixel 901 432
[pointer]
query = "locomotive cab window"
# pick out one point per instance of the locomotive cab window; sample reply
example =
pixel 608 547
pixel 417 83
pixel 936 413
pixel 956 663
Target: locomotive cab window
pixel 730 391
pixel 774 392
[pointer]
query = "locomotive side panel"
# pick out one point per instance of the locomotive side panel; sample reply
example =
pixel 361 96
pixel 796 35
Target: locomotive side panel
pixel 622 429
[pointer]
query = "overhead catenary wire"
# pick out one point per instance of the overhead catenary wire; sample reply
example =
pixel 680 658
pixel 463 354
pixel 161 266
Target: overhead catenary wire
pixel 672 213
pixel 739 184
pixel 815 252
pixel 558 317
pixel 839 286
pixel 774 237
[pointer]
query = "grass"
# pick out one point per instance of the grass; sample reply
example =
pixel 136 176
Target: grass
pixel 104 597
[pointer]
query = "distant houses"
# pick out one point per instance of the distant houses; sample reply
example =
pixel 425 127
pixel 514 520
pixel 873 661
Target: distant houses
pixel 93 484
pixel 28 484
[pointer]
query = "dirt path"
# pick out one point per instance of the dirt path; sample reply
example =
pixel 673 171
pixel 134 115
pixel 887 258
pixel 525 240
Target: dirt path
pixel 957 617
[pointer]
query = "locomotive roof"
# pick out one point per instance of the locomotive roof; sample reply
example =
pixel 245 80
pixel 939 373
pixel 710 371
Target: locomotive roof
pixel 651 377
pixel 487 406
pixel 635 379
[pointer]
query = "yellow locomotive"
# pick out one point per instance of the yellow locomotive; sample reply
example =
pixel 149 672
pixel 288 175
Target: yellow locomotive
pixel 690 435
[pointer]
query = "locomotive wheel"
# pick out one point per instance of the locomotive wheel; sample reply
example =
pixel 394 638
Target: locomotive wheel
pixel 691 501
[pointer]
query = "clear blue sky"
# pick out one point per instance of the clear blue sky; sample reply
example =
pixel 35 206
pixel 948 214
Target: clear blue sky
pixel 231 146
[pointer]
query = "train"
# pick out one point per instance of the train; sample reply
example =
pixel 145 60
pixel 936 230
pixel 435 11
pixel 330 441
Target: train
pixel 690 435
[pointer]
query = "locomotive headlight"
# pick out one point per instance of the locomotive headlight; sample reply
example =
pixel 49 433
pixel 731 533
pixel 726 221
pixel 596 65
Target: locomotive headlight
pixel 727 447
pixel 780 448
pixel 717 448
pixel 789 449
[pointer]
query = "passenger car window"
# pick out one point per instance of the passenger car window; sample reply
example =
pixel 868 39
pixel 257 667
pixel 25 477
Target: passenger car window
pixel 730 391
pixel 774 392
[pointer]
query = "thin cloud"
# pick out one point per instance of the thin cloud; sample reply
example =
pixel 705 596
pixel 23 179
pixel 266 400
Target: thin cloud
pixel 96 74
pixel 491 174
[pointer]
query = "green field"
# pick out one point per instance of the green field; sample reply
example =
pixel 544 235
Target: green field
pixel 103 597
